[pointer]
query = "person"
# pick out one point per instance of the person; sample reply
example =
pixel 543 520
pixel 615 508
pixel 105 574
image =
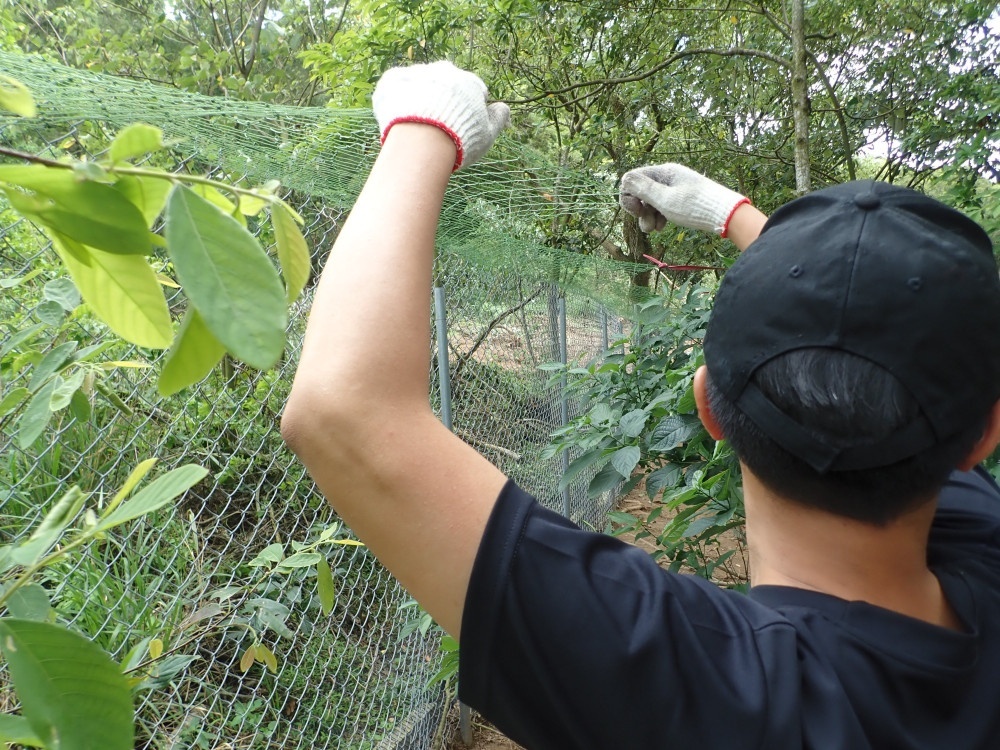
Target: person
pixel 852 359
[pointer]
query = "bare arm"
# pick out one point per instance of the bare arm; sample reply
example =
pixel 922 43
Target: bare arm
pixel 358 415
pixel 745 226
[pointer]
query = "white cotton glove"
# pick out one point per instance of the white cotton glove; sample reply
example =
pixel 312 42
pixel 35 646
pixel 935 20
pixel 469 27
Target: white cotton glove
pixel 443 95
pixel 672 192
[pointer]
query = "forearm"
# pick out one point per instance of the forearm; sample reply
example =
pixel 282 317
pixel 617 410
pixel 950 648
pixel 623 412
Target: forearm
pixel 745 226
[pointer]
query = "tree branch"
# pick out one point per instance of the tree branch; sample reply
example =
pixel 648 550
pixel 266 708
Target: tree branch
pixel 255 40
pixel 464 358
pixel 607 82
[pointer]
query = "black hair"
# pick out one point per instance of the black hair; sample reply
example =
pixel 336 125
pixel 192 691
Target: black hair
pixel 838 394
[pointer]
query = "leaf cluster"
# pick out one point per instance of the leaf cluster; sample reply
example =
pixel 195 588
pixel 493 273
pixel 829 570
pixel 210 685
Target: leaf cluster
pixel 99 217
pixel 638 424
pixel 72 694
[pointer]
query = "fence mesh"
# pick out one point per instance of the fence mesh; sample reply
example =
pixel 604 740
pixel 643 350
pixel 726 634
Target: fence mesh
pixel 187 575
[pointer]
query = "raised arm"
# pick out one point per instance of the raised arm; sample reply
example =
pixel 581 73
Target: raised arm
pixel 358 415
pixel 674 193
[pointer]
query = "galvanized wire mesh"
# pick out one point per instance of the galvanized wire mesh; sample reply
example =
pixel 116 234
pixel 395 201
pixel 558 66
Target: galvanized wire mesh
pixel 349 680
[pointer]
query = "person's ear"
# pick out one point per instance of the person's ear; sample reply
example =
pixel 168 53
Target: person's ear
pixel 987 443
pixel 701 401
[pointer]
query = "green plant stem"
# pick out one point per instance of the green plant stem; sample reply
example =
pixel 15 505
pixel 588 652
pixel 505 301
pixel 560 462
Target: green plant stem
pixel 173 649
pixel 25 577
pixel 140 172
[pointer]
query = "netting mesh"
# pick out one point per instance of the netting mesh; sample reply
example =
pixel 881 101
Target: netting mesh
pixel 351 679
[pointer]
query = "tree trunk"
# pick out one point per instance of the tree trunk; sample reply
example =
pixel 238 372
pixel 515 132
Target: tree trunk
pixel 800 98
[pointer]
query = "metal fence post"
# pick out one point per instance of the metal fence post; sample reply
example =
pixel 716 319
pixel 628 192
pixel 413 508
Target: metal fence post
pixel 604 328
pixel 444 371
pixel 563 402
pixel 444 382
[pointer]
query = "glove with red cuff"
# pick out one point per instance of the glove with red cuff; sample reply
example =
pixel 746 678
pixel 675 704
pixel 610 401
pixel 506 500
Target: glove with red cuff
pixel 672 192
pixel 445 96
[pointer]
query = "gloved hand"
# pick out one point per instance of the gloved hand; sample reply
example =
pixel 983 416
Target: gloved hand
pixel 672 192
pixel 443 95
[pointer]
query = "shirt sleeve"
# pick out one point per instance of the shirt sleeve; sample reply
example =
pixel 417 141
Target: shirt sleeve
pixel 572 639
pixel 967 522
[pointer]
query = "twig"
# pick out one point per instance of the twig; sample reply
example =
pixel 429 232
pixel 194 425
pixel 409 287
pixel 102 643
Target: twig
pixel 464 358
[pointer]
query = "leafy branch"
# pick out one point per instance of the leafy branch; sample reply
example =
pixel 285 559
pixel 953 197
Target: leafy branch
pixel 99 217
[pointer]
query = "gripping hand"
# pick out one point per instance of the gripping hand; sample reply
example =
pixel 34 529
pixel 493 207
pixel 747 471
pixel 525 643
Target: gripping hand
pixel 443 95
pixel 672 192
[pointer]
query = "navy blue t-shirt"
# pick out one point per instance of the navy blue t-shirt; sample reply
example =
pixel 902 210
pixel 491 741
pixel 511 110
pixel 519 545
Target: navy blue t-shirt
pixel 572 639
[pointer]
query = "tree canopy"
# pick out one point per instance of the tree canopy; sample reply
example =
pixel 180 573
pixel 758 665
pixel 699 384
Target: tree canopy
pixel 906 91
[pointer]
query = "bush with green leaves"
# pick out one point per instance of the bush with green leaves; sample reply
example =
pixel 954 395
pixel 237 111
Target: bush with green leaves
pixel 124 233
pixel 72 694
pixel 639 423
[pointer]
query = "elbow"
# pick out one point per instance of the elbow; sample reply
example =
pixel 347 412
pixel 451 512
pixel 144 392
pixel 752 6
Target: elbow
pixel 319 427
pixel 305 423
pixel 292 427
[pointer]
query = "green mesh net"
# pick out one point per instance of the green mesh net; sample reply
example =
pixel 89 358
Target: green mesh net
pixel 495 212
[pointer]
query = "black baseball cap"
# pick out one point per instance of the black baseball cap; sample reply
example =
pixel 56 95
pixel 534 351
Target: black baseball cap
pixel 880 271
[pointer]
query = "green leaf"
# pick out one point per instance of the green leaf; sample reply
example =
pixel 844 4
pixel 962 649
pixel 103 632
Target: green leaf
pixel 662 478
pixel 220 201
pixel 136 140
pixel 72 694
pixel 36 415
pixel 63 292
pixel 194 353
pixel 324 586
pixel 699 525
pixel 63 394
pixel 293 253
pixel 301 560
pixel 148 194
pixel 16 281
pixel 122 290
pixel 17 730
pixel 12 400
pixel 264 655
pixel 131 482
pixel 155 495
pixel 155 648
pixel 633 423
pixel 89 212
pixel 580 464
pixel 51 527
pixel 606 480
pixel 247 660
pixel 228 278
pixel 271 554
pixel 687 404
pixel 15 97
pixel 624 460
pixel 50 312
pixel 38 178
pixel 20 337
pixel 79 406
pixel 165 669
pixel 251 205
pixel 672 432
pixel 51 363
pixel 600 413
pixel 30 602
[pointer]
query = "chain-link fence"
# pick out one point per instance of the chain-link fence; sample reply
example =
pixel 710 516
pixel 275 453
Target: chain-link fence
pixel 188 577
